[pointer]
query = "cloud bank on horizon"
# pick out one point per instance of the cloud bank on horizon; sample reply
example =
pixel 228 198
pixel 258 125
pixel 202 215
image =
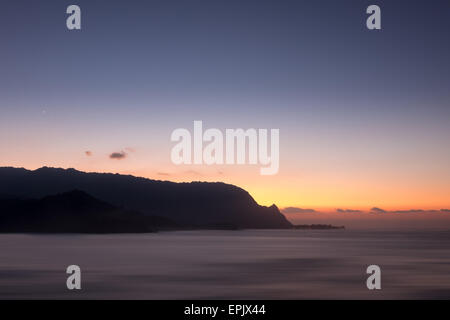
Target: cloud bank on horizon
pixel 374 210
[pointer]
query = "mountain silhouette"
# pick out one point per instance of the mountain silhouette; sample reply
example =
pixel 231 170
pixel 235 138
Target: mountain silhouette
pixel 74 211
pixel 194 204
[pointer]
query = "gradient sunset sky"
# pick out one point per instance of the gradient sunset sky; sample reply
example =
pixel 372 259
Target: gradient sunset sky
pixel 364 116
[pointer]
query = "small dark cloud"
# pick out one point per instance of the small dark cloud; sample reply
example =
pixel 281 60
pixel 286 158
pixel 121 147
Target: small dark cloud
pixel 163 174
pixel 348 211
pixel 88 153
pixel 297 210
pixel 118 155
pixel 377 210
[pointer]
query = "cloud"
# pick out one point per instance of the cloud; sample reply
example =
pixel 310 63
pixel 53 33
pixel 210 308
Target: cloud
pixel 418 211
pixel 88 153
pixel 118 155
pixel 163 174
pixel 409 211
pixel 348 211
pixel 297 210
pixel 374 210
pixel 378 210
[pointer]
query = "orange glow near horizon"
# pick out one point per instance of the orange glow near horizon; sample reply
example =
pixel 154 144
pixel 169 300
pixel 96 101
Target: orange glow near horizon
pixel 286 190
pixel 319 172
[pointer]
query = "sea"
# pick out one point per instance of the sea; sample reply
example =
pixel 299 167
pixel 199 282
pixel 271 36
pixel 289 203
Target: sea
pixel 241 264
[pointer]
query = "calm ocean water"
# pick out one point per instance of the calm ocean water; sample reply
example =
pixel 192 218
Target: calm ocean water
pixel 269 264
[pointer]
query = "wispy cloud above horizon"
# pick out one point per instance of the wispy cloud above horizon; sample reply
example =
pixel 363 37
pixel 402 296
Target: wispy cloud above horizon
pixel 348 211
pixel 297 210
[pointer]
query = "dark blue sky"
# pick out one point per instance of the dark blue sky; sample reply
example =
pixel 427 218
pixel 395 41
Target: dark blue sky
pixel 227 50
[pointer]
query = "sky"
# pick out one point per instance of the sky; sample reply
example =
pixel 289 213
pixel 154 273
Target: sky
pixel 364 115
